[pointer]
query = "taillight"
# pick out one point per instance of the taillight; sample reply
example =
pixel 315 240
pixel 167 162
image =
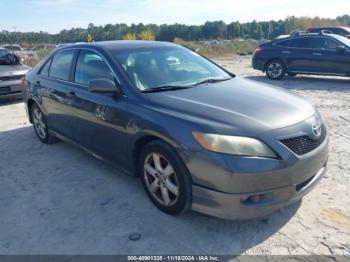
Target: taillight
pixel 258 49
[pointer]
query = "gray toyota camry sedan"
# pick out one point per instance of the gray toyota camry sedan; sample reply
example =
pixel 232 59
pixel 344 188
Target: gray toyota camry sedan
pixel 198 136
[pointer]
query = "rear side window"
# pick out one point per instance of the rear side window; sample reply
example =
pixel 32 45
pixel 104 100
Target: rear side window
pixel 60 65
pixel 284 43
pixel 317 42
pixel 45 69
pixel 302 42
pixel 91 66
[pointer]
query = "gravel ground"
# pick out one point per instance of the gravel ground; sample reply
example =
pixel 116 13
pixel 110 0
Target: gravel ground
pixel 58 200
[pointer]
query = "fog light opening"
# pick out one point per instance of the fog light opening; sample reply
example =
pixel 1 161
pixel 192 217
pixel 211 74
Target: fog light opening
pixel 257 199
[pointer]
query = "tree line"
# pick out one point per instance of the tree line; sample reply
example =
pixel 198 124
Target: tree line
pixel 208 31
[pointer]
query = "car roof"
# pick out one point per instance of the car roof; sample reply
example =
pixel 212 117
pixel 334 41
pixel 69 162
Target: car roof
pixel 304 35
pixel 120 44
pixel 344 27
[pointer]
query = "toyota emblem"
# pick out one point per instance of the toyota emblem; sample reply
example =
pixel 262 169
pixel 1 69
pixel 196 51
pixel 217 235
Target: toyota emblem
pixel 316 130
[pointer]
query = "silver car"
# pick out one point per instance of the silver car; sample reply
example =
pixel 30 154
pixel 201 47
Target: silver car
pixel 12 73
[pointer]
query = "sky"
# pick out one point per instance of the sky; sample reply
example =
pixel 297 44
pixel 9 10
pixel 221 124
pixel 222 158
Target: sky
pixel 55 15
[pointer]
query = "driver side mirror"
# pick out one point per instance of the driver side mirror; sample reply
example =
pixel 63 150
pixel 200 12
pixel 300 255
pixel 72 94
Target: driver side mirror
pixel 340 49
pixel 104 86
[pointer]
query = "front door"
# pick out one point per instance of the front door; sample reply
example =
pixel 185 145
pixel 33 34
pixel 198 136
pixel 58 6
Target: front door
pixel 333 62
pixel 99 120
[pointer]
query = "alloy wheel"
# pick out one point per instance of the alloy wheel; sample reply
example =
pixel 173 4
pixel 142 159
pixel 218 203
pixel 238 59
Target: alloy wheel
pixel 161 179
pixel 39 123
pixel 275 70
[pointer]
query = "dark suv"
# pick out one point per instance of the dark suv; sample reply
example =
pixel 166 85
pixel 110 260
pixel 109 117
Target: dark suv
pixel 320 54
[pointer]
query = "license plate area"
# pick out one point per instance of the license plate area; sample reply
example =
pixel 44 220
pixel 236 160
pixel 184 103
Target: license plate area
pixel 5 89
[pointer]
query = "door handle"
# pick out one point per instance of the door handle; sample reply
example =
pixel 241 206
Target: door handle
pixel 286 52
pixel 71 93
pixel 70 97
pixel 317 54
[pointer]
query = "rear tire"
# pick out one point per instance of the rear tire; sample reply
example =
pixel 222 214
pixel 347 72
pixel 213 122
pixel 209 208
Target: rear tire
pixel 275 69
pixel 40 126
pixel 165 178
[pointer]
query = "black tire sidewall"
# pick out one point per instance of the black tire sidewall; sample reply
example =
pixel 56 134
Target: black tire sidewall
pixel 184 179
pixel 283 69
pixel 47 137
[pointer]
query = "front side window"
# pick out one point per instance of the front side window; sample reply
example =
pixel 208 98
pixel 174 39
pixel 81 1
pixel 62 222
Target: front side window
pixel 91 66
pixel 154 67
pixel 330 44
pixel 61 64
pixel 343 40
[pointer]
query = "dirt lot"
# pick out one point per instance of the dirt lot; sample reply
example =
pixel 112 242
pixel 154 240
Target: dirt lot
pixel 58 200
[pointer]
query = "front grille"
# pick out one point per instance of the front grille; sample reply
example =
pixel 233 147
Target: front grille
pixel 5 90
pixel 11 78
pixel 302 145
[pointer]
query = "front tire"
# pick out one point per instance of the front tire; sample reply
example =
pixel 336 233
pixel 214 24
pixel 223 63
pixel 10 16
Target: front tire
pixel 40 126
pixel 275 69
pixel 165 178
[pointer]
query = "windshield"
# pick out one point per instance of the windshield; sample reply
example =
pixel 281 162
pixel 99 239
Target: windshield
pixel 167 66
pixel 4 53
pixel 343 39
pixel 4 57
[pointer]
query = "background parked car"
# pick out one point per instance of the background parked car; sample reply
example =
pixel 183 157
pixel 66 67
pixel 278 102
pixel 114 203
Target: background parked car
pixel 338 30
pixel 16 49
pixel 12 73
pixel 321 54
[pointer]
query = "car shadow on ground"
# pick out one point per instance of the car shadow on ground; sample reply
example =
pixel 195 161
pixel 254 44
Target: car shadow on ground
pixel 303 82
pixel 4 102
pixel 58 199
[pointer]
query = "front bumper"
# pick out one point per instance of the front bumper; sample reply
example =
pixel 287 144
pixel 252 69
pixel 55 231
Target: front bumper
pixel 230 186
pixel 238 206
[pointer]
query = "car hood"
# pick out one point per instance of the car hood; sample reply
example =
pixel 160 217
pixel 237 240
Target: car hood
pixel 237 105
pixel 6 70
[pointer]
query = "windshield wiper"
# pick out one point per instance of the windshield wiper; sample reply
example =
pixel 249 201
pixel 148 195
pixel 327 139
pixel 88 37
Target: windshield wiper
pixel 211 80
pixel 163 88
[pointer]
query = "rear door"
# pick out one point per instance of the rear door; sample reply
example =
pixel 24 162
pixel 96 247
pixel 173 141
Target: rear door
pixel 53 82
pixel 296 52
pixel 99 120
pixel 302 59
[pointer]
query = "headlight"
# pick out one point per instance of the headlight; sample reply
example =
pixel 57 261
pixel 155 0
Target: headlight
pixel 234 145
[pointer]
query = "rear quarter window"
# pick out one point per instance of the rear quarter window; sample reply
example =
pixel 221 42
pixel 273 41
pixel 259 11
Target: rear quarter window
pixel 301 42
pixel 45 69
pixel 283 43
